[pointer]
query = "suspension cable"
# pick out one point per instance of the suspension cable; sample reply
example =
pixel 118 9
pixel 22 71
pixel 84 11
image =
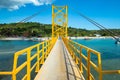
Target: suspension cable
pixel 30 17
pixel 112 34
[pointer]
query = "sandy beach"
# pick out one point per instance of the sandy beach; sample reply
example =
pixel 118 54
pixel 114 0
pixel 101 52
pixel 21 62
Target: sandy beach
pixel 46 38
pixel 104 37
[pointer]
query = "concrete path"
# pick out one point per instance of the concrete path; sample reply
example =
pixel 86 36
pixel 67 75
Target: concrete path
pixel 59 65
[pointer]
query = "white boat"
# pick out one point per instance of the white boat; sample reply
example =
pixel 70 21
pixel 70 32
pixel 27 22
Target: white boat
pixel 37 39
pixel 87 38
pixel 118 41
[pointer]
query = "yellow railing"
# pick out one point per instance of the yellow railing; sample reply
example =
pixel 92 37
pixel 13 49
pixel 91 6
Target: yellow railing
pixel 78 53
pixel 42 51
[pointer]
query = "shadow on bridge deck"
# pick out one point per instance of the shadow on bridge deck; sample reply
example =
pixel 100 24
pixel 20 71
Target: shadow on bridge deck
pixel 59 65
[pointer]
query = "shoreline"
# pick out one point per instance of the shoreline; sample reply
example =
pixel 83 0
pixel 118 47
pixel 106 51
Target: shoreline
pixel 24 38
pixel 46 38
pixel 103 37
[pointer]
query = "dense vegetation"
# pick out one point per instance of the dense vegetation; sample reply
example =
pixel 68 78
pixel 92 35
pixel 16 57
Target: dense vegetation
pixel 31 29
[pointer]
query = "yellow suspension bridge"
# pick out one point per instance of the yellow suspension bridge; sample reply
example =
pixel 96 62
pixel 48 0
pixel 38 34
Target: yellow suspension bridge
pixel 58 58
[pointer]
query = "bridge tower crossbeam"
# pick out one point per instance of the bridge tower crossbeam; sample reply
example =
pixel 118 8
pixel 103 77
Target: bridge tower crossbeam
pixel 59 21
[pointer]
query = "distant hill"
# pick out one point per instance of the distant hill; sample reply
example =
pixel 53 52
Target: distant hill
pixel 31 29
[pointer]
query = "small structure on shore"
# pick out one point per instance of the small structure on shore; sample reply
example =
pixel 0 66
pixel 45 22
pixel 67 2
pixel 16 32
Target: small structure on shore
pixel 36 39
pixel 87 38
pixel 97 35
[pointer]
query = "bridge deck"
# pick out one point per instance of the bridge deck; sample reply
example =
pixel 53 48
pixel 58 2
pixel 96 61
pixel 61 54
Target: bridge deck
pixel 59 65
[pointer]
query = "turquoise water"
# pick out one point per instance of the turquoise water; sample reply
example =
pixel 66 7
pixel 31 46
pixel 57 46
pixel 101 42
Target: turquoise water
pixel 11 46
pixel 7 50
pixel 110 54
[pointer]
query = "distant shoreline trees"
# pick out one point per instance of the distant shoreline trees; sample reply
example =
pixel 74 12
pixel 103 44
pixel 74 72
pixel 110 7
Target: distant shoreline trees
pixel 33 29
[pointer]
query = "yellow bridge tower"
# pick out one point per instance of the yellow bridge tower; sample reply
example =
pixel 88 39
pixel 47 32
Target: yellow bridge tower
pixel 59 21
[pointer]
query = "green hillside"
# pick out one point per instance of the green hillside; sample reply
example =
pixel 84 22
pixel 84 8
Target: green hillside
pixel 31 29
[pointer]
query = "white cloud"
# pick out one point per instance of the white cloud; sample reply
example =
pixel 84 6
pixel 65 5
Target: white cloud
pixel 16 4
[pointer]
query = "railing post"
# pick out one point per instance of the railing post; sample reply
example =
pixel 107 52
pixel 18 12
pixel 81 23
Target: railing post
pixel 38 56
pixel 43 47
pixel 52 41
pixel 81 69
pixel 73 54
pixel 76 60
pixel 100 66
pixel 28 65
pixel 46 54
pixel 49 46
pixel 14 67
pixel 88 65
pixel 70 45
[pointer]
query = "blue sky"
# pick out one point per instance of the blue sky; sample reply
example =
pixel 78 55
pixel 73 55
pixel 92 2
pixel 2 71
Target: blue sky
pixel 105 12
